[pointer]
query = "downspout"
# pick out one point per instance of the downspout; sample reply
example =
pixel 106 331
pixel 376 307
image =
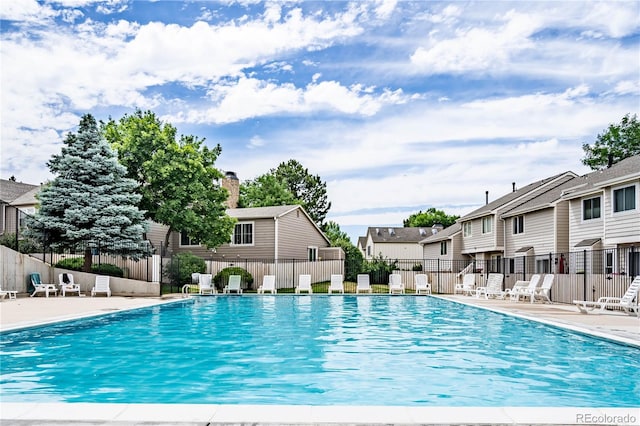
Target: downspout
pixel 275 253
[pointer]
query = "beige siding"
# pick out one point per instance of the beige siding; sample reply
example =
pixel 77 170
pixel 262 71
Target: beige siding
pixel 432 251
pixel 478 241
pixel 400 250
pixel 562 227
pixel 295 234
pixel 156 233
pixel 621 227
pixel 263 242
pixel 538 233
pixel 579 229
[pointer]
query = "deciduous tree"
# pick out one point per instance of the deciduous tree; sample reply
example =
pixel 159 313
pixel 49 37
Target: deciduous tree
pixel 178 178
pixel 428 218
pixel 266 190
pixel 618 142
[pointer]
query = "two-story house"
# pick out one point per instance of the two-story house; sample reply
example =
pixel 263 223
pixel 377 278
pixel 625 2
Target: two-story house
pixel 604 219
pixel 394 242
pixel 483 230
pixel 445 247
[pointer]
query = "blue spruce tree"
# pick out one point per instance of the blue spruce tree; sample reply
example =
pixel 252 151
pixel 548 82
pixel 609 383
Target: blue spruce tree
pixel 90 202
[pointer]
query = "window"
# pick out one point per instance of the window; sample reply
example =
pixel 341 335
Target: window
pixel 518 224
pixel 487 225
pixel 466 229
pixel 243 234
pixel 608 262
pixel 186 241
pixel 591 208
pixel 368 250
pixel 312 254
pixel 443 248
pixel 624 199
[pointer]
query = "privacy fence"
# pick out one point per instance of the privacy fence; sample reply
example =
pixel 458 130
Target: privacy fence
pixel 584 275
pixel 579 275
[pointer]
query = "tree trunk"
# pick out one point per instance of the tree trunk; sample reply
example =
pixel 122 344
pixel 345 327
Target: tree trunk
pixel 88 259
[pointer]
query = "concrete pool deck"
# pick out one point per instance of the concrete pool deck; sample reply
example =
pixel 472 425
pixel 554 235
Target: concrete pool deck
pixel 31 312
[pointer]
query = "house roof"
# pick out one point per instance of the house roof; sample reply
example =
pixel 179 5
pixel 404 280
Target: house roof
pixel 381 234
pixel 524 249
pixel 362 241
pixel 508 198
pixel 626 169
pixel 270 212
pixel 10 190
pixel 28 198
pixel 543 200
pixel 261 212
pixel 445 234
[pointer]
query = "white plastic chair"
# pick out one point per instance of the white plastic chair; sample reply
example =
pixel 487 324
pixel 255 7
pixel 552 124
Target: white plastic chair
pixel 422 284
pixel 304 284
pixel 337 284
pixel 396 286
pixel 626 302
pixel 205 284
pixel 468 285
pixel 101 286
pixel 268 285
pixel 234 285
pixel 40 287
pixel 69 286
pixel 363 284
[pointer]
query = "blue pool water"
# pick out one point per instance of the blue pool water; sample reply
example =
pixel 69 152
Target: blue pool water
pixel 319 350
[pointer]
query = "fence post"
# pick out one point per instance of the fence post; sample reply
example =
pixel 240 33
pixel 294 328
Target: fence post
pixel 584 273
pixel 632 262
pixel 438 269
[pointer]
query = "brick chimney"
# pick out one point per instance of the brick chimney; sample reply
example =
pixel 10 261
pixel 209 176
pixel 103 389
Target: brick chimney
pixel 231 183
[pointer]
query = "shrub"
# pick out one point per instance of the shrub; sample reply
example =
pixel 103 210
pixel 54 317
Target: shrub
pixel 77 264
pixel 222 277
pixel 107 269
pixel 25 245
pixel 181 267
pixel 72 263
pixel 417 267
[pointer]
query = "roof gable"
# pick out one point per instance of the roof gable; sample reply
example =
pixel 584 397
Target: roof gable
pixel 271 212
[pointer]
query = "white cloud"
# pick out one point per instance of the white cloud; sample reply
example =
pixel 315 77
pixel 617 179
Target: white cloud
pixel 237 100
pixel 476 49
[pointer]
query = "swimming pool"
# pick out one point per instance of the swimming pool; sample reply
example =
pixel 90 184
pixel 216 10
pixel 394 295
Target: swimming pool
pixel 318 350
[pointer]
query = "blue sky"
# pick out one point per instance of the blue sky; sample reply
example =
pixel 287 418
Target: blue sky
pixel 397 106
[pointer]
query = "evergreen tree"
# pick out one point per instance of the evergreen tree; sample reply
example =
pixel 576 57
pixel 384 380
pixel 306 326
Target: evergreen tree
pixel 90 201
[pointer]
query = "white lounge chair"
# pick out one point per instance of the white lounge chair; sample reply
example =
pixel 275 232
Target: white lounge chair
pixel 525 289
pixel 396 286
pixel 336 284
pixel 101 286
pixel 67 285
pixel 268 285
pixel 422 284
pixel 626 302
pixel 542 292
pixel 233 286
pixel 40 287
pixel 468 285
pixel 363 284
pixel 493 287
pixel 13 294
pixel 304 284
pixel 205 284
